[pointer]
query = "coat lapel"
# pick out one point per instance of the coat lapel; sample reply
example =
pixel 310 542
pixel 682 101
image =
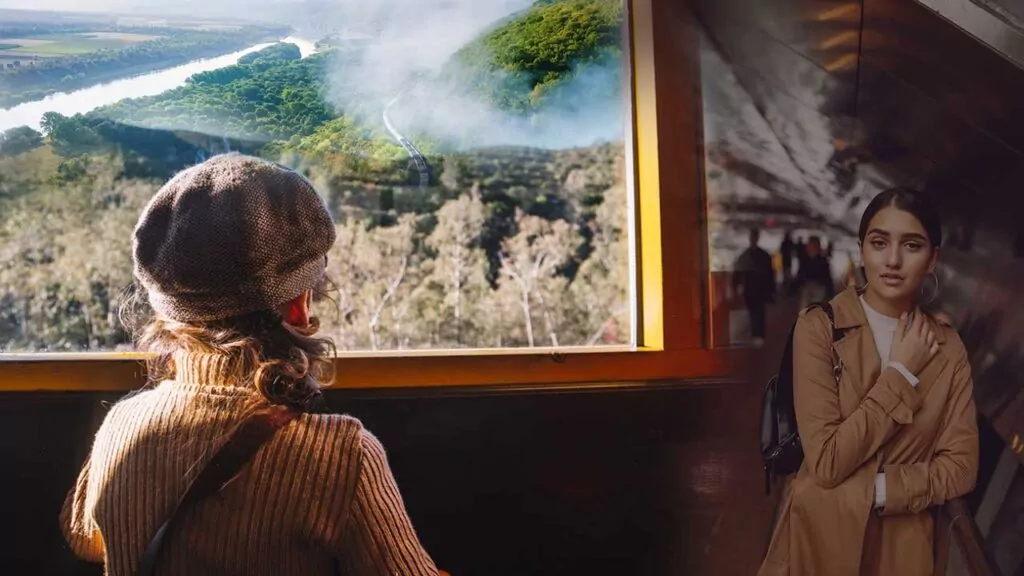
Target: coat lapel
pixel 856 349
pixel 932 370
pixel 860 358
pixel 859 354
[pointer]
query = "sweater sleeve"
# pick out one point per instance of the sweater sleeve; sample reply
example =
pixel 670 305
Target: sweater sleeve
pixel 380 539
pixel 77 523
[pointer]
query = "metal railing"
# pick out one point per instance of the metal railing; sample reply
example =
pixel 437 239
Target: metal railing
pixel 954 524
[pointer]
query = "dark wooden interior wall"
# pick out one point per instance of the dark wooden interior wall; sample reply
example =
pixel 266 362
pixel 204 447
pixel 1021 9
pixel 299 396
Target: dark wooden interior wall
pixel 631 481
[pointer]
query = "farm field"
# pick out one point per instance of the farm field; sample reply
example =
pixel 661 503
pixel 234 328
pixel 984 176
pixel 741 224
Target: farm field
pixel 49 45
pixel 182 24
pixel 40 54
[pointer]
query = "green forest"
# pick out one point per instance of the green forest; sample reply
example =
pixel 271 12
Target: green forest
pixel 517 65
pixel 506 246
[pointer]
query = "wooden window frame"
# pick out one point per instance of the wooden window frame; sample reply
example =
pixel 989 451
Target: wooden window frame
pixel 673 329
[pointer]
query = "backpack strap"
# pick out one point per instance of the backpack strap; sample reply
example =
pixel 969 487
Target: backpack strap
pixel 778 407
pixel 222 468
pixel 837 335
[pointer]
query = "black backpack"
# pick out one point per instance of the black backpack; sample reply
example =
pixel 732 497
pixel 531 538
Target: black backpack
pixel 780 441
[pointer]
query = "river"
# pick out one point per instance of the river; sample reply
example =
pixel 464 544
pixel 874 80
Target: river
pixel 149 84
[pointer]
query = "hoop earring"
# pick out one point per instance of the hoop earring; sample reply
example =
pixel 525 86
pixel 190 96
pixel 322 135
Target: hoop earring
pixel 860 288
pixel 935 292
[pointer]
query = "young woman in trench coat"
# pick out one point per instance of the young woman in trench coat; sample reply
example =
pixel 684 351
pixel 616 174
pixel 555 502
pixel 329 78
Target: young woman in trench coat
pixel 897 434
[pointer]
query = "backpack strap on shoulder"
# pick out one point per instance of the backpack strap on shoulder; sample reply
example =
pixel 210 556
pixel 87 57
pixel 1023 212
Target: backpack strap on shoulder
pixel 225 464
pixel 837 335
pixel 826 307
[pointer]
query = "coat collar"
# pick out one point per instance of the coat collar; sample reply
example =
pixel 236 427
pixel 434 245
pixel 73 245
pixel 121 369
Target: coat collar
pixel 856 349
pixel 850 314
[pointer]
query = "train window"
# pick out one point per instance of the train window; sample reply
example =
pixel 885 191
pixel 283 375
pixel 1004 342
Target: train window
pixel 782 150
pixel 487 164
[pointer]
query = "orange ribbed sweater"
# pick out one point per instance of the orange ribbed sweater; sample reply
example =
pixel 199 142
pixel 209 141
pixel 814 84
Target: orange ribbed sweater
pixel 319 494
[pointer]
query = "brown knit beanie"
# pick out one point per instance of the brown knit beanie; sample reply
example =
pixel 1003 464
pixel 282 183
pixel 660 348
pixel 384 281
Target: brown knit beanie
pixel 230 236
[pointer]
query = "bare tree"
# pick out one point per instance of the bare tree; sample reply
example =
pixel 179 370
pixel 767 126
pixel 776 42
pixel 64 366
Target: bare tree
pixel 530 264
pixel 600 290
pixel 459 267
pixel 369 267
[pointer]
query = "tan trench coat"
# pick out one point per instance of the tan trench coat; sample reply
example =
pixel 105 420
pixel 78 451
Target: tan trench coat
pixel 925 440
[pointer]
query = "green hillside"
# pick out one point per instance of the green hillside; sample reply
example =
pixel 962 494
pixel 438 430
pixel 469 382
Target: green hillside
pixel 270 96
pixel 517 63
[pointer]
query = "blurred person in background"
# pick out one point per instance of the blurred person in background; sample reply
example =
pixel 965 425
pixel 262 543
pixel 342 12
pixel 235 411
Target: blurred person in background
pixel 787 249
pixel 814 281
pixel 753 279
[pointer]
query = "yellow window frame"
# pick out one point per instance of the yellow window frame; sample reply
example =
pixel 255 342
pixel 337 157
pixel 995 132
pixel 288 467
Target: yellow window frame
pixel 673 326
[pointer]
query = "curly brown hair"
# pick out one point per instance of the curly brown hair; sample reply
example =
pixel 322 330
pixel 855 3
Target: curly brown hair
pixel 285 364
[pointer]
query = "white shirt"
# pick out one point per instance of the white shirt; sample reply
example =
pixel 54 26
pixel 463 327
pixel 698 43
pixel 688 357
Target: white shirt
pixel 883 328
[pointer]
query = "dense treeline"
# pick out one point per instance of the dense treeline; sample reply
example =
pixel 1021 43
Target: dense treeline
pixel 271 98
pixel 519 63
pixel 32 80
pixel 23 29
pixel 505 246
pixel 468 263
pixel 280 52
pixel 19 140
pixel 266 107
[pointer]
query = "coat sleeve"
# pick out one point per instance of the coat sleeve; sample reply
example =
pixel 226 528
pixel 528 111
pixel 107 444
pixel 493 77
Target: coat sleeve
pixel 834 447
pixel 77 523
pixel 380 539
pixel 953 468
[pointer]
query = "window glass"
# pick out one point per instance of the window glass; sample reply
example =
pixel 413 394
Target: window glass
pixel 783 181
pixel 472 153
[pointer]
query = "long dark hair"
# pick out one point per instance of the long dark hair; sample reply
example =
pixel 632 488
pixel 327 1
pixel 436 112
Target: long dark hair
pixel 908 200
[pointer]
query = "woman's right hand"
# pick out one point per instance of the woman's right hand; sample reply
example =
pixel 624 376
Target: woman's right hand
pixel 913 345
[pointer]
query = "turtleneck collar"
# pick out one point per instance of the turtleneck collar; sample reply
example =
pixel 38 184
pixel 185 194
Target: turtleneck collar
pixel 193 368
pixel 876 318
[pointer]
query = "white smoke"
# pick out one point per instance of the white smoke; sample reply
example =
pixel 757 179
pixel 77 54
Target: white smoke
pixel 414 42
pixel 416 38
